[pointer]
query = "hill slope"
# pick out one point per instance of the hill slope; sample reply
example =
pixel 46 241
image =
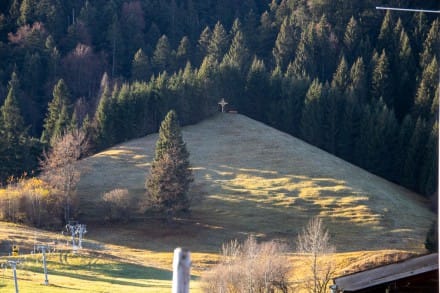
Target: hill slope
pixel 255 179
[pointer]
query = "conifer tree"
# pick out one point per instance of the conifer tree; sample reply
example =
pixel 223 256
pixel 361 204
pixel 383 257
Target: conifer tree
pixel 428 178
pixel 184 52
pixel 257 84
pixel 311 120
pixel 161 60
pixel 238 54
pixel 284 45
pixel 13 136
pixel 386 35
pixel 426 90
pixel 357 86
pixel 105 135
pixel 380 80
pixel 414 154
pixel 352 38
pixel 341 78
pixel 404 85
pixel 170 175
pixel 203 43
pixel 219 42
pixel 431 44
pixel 58 116
pixel 140 67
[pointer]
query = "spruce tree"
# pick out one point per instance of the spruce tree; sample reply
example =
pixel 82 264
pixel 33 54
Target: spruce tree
pixel 13 137
pixel 284 45
pixel 219 42
pixel 162 55
pixel 170 175
pixel 380 80
pixel 58 116
pixel 140 67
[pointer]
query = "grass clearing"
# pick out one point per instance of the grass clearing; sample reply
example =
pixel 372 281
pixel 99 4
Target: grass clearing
pixel 249 178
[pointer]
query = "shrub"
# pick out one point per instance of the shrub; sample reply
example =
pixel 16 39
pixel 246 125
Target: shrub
pixel 29 202
pixel 117 204
pixel 249 267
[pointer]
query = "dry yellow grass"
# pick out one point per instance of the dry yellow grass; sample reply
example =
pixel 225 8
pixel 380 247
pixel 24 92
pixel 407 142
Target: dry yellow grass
pixel 250 178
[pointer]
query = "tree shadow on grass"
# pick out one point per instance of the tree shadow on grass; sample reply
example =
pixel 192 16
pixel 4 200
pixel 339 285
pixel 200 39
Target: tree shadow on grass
pixel 110 273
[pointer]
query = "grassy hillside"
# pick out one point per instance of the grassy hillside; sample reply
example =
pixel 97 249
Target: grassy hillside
pixel 249 178
pixel 254 179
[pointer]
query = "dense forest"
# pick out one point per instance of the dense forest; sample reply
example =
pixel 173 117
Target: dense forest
pixel 355 81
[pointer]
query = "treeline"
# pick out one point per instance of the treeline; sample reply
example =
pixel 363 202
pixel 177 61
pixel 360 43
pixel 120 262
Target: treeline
pixel 357 82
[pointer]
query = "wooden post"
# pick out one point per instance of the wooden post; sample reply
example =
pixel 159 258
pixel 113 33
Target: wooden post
pixel 181 270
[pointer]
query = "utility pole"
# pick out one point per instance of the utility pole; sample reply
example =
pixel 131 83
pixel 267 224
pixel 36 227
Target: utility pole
pixel 13 264
pixel 181 270
pixel 43 250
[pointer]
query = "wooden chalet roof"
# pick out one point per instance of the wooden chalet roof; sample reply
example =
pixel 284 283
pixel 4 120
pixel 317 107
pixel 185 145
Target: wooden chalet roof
pixel 388 273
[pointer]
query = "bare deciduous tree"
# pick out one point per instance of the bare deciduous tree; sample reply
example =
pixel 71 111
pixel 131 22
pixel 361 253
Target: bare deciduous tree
pixel 314 242
pixel 60 168
pixel 249 267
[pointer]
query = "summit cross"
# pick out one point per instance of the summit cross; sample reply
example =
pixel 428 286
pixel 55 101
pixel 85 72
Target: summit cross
pixel 223 103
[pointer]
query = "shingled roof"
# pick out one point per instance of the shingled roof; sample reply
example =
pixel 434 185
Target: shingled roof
pixel 387 274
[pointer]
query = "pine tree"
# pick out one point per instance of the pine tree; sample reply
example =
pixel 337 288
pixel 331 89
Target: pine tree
pixel 203 43
pixel 58 115
pixel 405 64
pixel 431 44
pixel 428 178
pixel 219 42
pixel 426 90
pixel 414 154
pixel 311 120
pixel 184 52
pixel 257 83
pixel 352 38
pixel 140 67
pixel 161 60
pixel 284 45
pixel 340 78
pixel 238 54
pixel 386 36
pixel 14 141
pixel 170 175
pixel 357 86
pixel 380 87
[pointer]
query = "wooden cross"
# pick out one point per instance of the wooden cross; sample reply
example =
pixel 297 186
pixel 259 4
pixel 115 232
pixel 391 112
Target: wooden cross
pixel 223 103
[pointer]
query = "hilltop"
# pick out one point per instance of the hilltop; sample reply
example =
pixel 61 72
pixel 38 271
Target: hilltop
pixel 251 178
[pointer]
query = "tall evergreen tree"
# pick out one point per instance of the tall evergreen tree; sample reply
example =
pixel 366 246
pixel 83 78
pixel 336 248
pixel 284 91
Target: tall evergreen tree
pixel 357 86
pixel 428 178
pixel 184 52
pixel 426 90
pixel 352 38
pixel 431 44
pixel 203 43
pixel 170 175
pixel 238 54
pixel 219 42
pixel 311 120
pixel 140 67
pixel 414 155
pixel 161 60
pixel 405 65
pixel 58 115
pixel 284 45
pixel 14 141
pixel 380 80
